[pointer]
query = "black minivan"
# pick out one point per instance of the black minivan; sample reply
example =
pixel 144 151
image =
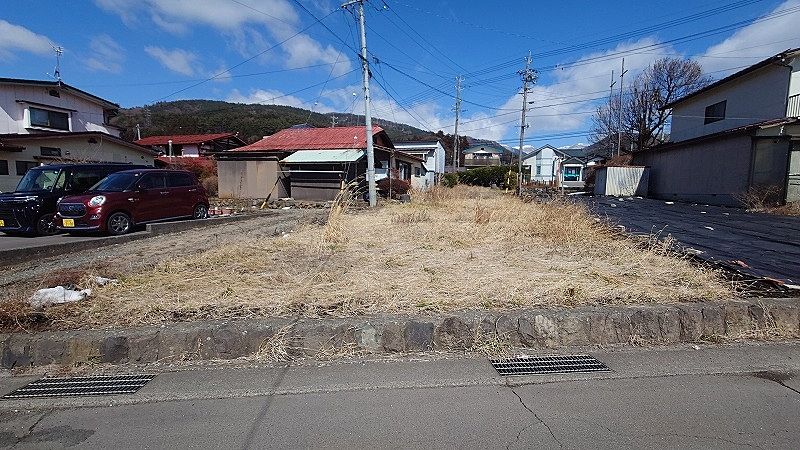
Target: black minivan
pixel 31 207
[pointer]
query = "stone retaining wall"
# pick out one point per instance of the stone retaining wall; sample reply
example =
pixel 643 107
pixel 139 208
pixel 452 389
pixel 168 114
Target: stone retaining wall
pixel 538 329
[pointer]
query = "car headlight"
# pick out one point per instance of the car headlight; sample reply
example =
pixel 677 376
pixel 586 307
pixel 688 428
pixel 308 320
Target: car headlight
pixel 97 200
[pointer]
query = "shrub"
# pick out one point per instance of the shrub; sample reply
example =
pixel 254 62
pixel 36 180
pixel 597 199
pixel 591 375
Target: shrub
pixel 211 185
pixel 501 176
pixel 201 167
pixel 399 187
pixel 450 179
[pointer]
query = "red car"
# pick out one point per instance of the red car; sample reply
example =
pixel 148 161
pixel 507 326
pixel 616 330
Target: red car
pixel 124 199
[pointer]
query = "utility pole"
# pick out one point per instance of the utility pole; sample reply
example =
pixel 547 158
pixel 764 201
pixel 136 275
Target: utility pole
pixel 333 121
pixel 619 120
pixel 528 76
pixel 456 156
pixel 610 104
pixel 367 113
pixel 138 133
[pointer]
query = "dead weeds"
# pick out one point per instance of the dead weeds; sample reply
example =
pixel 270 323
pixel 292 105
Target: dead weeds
pixel 449 249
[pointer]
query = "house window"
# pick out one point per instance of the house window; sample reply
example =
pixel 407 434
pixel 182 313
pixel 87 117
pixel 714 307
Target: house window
pixel 3 167
pixel 572 173
pixel 715 112
pixel 24 166
pixel 538 170
pixel 50 151
pixel 49 119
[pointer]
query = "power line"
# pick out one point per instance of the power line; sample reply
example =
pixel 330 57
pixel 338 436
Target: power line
pixel 206 80
pixel 244 75
pixel 447 57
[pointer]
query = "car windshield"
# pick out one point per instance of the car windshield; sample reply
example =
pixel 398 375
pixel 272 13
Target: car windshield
pixel 39 180
pixel 116 182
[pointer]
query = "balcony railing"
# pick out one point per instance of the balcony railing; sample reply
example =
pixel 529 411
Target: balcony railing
pixel 793 110
pixel 480 162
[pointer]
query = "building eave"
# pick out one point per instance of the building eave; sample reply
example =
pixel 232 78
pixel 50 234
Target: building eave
pixel 757 66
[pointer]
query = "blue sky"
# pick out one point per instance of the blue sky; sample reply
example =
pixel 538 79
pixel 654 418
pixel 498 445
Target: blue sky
pixel 136 52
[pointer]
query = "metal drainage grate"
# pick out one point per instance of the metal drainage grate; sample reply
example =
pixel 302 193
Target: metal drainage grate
pixel 537 365
pixel 80 386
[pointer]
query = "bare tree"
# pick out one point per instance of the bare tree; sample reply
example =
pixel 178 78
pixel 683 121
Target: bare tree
pixel 643 102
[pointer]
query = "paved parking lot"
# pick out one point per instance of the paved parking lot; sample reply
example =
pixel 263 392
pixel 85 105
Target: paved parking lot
pixel 23 242
pixel 763 245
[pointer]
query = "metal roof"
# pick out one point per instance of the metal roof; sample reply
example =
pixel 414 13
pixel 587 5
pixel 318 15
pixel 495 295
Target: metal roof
pixel 324 156
pixel 60 84
pixel 74 135
pixel 410 146
pixel 292 139
pixel 180 139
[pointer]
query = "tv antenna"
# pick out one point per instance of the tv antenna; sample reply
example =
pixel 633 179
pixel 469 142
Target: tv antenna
pixel 59 50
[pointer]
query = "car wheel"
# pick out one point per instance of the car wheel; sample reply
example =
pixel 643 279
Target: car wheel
pixel 118 223
pixel 46 225
pixel 200 211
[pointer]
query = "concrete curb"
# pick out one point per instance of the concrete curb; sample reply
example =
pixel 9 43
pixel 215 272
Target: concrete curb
pixel 467 330
pixel 20 255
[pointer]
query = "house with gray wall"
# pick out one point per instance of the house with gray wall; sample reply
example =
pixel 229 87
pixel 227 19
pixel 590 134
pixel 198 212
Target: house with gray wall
pixel 738 135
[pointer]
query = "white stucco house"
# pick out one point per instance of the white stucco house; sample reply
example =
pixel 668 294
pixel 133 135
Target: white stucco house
pixel 551 165
pixel 52 122
pixel 432 154
pixel 738 134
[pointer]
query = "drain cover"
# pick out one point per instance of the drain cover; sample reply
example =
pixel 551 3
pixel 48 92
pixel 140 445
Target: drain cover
pixel 535 365
pixel 79 386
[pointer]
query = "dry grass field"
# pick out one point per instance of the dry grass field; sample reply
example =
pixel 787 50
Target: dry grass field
pixel 449 249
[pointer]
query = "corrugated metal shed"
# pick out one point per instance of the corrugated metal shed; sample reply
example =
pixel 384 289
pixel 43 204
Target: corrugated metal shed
pixel 622 181
pixel 324 156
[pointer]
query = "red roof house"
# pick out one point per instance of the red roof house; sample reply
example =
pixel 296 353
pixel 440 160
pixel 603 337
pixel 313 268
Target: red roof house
pixel 192 144
pixel 313 163
pixel 338 138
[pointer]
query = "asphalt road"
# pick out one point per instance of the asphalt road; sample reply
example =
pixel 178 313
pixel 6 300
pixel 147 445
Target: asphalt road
pixel 761 245
pixel 676 398
pixel 24 242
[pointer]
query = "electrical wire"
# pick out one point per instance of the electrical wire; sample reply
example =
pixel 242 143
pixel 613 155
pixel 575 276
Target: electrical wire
pixel 206 80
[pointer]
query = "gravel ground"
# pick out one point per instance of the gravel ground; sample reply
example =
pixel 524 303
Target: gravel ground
pixel 147 252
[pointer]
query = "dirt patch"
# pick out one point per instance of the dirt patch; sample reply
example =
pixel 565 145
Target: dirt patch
pixel 449 249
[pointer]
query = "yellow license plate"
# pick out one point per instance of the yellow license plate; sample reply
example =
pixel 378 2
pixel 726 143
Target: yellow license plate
pixel 2 223
pixel 68 223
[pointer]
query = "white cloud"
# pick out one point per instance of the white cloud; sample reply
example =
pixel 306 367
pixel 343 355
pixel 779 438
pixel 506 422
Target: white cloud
pixel 18 38
pixel 176 28
pixel 758 40
pixel 239 23
pixel 304 51
pixel 106 55
pixel 176 60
